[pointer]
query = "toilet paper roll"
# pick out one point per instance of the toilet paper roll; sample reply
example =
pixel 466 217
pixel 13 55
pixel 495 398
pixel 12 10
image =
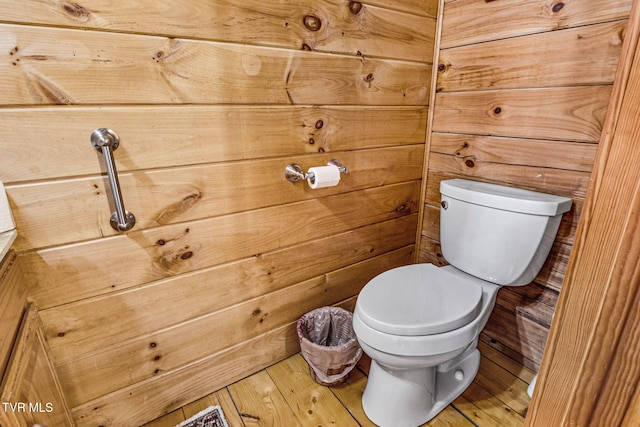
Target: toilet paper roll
pixel 323 176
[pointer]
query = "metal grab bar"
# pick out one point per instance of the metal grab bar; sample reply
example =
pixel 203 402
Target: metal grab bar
pixel 106 141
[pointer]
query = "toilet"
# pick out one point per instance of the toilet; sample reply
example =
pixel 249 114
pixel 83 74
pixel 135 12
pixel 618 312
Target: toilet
pixel 420 323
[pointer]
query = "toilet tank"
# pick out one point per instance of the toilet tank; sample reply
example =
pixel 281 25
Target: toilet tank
pixel 497 233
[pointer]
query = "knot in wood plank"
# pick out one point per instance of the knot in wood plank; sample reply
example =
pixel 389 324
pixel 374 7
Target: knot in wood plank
pixel 76 11
pixel 355 7
pixel 312 23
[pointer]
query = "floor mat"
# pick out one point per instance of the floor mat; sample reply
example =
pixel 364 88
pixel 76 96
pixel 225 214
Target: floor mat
pixel 210 417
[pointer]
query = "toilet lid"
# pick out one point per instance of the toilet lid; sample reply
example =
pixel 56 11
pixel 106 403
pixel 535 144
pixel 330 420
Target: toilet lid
pixel 419 299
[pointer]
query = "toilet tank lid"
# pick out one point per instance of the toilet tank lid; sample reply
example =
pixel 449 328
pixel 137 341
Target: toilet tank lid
pixel 505 198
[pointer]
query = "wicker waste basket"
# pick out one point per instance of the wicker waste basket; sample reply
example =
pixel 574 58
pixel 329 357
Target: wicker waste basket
pixel 328 344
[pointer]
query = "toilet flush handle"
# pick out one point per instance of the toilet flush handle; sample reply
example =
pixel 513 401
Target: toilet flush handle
pixel 444 204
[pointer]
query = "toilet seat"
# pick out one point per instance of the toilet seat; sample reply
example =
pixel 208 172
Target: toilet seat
pixel 418 300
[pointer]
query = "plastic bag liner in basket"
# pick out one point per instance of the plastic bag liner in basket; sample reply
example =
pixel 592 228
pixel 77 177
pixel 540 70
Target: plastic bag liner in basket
pixel 328 344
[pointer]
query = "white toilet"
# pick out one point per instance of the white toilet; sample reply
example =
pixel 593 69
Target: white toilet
pixel 420 323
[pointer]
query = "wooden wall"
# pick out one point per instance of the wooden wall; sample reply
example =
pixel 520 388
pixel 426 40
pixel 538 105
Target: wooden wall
pixel 211 101
pixel 522 92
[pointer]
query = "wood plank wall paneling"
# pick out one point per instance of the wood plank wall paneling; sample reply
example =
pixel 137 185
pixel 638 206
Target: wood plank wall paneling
pixel 211 101
pixel 567 113
pixel 549 59
pixel 320 25
pixel 71 272
pixel 176 345
pixel 522 103
pixel 89 317
pixel 135 69
pixel 160 197
pixel 470 21
pixel 13 298
pixel 158 137
pixel 589 373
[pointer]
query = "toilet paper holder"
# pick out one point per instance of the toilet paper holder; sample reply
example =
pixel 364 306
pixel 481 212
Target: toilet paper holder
pixel 293 172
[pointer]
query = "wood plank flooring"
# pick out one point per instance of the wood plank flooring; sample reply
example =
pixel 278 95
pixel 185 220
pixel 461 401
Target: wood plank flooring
pixel 285 395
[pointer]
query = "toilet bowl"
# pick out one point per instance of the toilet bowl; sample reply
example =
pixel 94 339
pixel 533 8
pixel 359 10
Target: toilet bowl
pixel 405 368
pixel 420 323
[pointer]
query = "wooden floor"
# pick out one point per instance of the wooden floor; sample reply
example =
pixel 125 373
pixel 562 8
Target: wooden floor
pixel 285 395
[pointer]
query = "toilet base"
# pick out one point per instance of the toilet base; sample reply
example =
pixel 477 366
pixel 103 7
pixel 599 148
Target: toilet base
pixel 411 397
